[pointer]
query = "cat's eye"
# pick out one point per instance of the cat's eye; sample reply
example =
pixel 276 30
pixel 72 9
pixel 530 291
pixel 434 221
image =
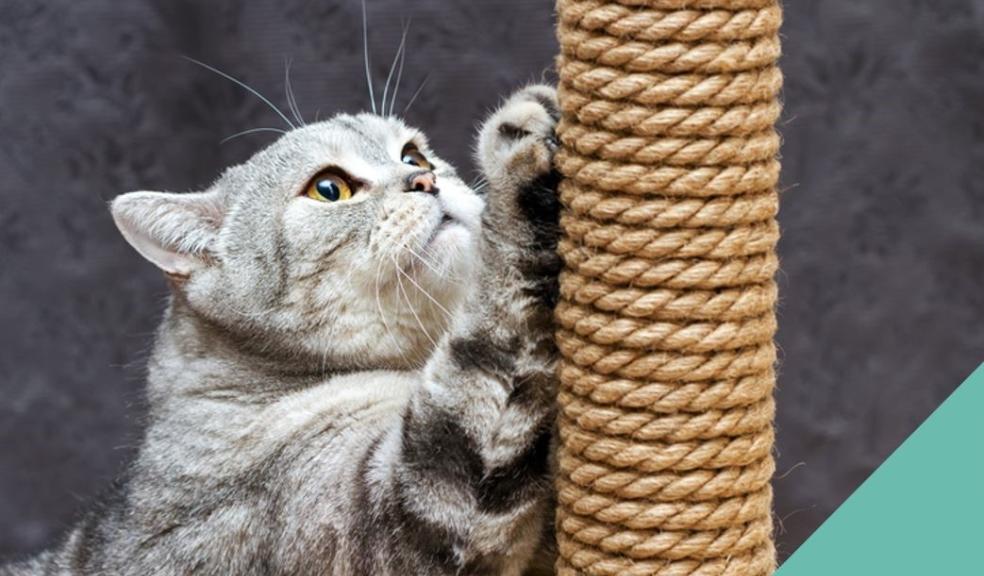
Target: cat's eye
pixel 414 157
pixel 329 186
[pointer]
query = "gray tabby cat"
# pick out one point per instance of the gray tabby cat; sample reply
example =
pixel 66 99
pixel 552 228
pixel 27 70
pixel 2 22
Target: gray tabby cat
pixel 355 373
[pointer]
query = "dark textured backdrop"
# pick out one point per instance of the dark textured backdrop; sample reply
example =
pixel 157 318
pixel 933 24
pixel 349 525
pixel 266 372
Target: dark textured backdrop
pixel 883 216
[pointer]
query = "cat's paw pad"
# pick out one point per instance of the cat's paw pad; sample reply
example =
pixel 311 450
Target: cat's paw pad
pixel 517 143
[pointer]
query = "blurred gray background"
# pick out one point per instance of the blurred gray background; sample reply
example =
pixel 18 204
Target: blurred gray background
pixel 883 210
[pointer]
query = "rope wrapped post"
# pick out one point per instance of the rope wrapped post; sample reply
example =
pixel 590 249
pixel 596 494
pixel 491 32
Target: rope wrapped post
pixel 666 319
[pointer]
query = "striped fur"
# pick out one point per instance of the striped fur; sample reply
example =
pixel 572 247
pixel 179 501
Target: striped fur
pixel 314 410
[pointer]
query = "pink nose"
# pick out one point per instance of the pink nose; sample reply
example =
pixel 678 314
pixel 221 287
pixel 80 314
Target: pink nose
pixel 422 182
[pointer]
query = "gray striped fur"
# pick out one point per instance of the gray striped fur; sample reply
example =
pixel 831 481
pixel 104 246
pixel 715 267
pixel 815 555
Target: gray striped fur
pixel 335 389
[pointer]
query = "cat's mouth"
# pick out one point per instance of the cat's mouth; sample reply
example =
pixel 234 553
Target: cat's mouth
pixel 446 222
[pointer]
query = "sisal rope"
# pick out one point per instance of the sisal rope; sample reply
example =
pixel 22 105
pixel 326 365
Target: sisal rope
pixel 666 318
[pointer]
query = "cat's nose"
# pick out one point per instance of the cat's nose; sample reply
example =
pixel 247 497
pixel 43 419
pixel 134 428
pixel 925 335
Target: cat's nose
pixel 424 181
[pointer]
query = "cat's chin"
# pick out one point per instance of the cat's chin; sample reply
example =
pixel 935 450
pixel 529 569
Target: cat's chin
pixel 450 251
pixel 449 234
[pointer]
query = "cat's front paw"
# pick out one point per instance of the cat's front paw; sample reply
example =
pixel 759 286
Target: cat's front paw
pixel 515 150
pixel 517 142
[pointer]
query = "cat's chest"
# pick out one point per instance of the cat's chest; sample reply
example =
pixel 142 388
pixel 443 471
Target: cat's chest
pixel 353 403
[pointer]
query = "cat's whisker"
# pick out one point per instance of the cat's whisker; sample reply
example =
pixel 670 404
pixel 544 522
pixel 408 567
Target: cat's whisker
pixel 379 303
pixel 425 293
pixel 426 261
pixel 291 99
pixel 479 184
pixel 405 245
pixel 406 274
pixel 382 314
pixel 422 259
pixel 419 356
pixel 415 257
pixel 444 274
pixel 415 94
pixel 251 131
pixel 389 77
pixel 410 305
pixel 365 53
pixel 399 73
pixel 245 86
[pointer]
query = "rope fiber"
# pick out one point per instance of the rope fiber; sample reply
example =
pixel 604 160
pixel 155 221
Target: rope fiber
pixel 666 318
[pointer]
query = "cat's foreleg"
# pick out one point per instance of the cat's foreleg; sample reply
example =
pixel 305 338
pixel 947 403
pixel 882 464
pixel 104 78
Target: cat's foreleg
pixel 471 485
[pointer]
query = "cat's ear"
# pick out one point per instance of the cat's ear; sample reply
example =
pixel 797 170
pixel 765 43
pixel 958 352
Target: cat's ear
pixel 174 231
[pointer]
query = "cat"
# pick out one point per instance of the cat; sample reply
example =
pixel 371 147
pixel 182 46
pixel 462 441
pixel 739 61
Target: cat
pixel 355 372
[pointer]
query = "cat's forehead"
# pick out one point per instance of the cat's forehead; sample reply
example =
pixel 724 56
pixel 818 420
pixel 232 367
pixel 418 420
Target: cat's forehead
pixel 370 137
pixel 362 145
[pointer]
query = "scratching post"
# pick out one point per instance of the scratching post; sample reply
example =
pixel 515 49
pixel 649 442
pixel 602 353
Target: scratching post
pixel 666 318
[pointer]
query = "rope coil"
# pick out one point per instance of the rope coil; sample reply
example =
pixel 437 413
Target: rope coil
pixel 666 317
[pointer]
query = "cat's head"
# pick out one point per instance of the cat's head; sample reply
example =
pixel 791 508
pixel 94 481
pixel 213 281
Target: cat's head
pixel 347 242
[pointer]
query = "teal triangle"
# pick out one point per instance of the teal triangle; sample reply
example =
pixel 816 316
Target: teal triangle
pixel 921 512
